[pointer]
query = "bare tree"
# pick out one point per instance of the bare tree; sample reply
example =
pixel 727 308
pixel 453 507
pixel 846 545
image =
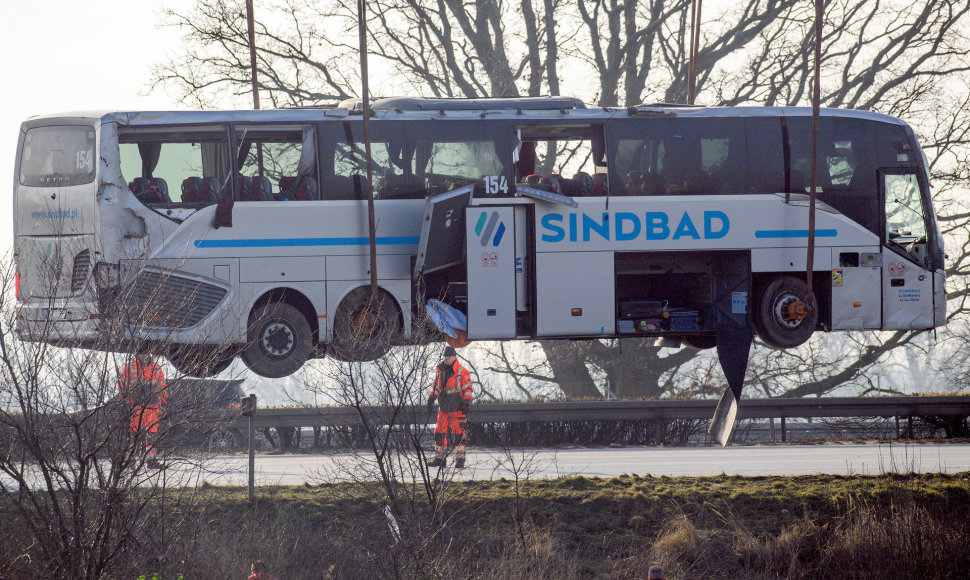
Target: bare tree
pixel 902 58
pixel 92 474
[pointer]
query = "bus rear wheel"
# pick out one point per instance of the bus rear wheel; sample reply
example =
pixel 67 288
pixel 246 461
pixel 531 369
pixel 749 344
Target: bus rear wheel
pixel 363 331
pixel 279 340
pixel 200 361
pixel 784 317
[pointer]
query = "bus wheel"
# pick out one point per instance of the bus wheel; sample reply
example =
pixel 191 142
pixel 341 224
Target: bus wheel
pixel 279 340
pixel 200 361
pixel 701 341
pixel 783 318
pixel 363 331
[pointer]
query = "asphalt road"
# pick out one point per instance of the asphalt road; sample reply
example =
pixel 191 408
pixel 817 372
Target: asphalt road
pixel 834 459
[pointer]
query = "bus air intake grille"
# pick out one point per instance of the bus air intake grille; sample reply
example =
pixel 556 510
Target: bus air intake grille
pixel 166 300
pixel 82 267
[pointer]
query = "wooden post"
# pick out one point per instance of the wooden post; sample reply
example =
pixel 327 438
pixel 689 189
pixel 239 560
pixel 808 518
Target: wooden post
pixel 816 105
pixel 249 410
pixel 783 435
pixel 365 106
pixel 695 35
pixel 251 30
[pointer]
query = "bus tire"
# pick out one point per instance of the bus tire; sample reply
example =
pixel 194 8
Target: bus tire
pixel 701 341
pixel 200 361
pixel 279 340
pixel 362 332
pixel 782 319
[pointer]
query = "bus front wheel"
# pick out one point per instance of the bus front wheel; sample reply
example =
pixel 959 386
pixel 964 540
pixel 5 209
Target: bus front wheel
pixel 362 330
pixel 784 317
pixel 279 340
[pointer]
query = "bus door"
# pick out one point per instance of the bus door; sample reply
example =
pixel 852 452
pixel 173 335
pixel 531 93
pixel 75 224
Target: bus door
pixel 907 282
pixel 490 247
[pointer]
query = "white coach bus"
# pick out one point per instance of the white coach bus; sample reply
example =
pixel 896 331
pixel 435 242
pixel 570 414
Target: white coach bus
pixel 217 234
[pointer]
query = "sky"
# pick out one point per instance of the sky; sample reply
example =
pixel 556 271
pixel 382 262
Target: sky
pixel 66 55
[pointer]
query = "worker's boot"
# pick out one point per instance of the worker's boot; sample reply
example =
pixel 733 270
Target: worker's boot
pixel 460 462
pixel 438 461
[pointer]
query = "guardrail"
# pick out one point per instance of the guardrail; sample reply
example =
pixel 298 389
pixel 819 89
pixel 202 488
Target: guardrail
pixel 900 407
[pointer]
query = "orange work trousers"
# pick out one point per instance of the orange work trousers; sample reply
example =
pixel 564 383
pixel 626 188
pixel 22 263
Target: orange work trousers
pixel 453 421
pixel 144 419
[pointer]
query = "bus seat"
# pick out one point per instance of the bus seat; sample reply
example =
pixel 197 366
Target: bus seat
pixel 401 187
pixel 308 189
pixel 301 189
pixel 162 187
pixel 600 185
pixel 210 191
pixel 190 189
pixel 144 190
pixel 243 186
pixel 557 184
pixel 582 184
pixel 260 189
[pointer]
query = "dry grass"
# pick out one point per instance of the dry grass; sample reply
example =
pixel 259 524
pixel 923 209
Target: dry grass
pixel 720 527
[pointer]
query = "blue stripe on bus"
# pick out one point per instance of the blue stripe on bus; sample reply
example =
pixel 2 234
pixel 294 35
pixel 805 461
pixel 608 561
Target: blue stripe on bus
pixel 794 233
pixel 289 242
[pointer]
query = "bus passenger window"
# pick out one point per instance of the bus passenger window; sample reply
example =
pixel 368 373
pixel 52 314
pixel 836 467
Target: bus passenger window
pixel 345 166
pixel 276 164
pixel 680 156
pixel 175 167
pixel 568 160
pixel 446 166
pixel 766 155
pixel 846 165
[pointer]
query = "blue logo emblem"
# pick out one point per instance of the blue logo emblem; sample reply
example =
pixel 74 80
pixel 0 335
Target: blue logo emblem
pixel 490 228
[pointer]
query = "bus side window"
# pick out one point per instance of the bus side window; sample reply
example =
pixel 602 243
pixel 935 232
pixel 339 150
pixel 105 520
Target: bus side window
pixel 177 166
pixel 681 156
pixel 565 160
pixel 766 158
pixel 893 145
pixel 276 163
pixel 847 177
pixel 345 167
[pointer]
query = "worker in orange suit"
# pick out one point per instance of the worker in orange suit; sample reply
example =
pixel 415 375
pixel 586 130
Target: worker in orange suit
pixel 453 390
pixel 142 387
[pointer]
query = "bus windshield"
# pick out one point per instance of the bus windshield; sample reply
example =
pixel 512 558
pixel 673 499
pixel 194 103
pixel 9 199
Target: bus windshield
pixel 57 156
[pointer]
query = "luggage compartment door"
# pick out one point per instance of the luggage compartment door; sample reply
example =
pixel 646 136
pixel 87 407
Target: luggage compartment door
pixel 490 247
pixel 575 294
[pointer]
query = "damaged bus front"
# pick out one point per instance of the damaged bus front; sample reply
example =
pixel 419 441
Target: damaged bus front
pixel 57 227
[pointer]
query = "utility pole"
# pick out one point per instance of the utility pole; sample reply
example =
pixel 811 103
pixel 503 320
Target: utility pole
pixel 252 52
pixel 695 40
pixel 365 98
pixel 816 100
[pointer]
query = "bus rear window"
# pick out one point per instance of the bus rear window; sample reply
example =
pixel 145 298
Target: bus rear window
pixel 57 156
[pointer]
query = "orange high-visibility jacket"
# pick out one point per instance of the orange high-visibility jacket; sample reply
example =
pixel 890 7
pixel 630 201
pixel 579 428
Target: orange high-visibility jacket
pixel 452 388
pixel 143 385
